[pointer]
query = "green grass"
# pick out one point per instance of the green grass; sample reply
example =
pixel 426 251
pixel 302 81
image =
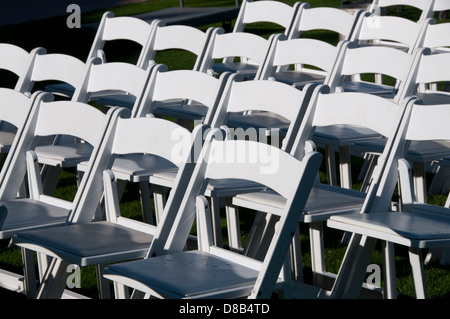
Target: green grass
pixel 56 37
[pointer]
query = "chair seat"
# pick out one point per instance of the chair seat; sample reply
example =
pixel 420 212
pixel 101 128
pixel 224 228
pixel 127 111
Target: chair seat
pixel 324 200
pixel 86 244
pixel 193 111
pixel 262 120
pixel 64 155
pixel 368 87
pixel 419 151
pixel 28 214
pixel 246 69
pixel 298 78
pixel 413 229
pixel 116 99
pixel 216 188
pixel 139 167
pixel 434 97
pixel 342 135
pixel 187 274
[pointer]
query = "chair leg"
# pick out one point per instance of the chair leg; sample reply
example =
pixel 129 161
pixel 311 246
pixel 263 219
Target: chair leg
pixel 50 177
pixel 29 273
pixel 215 214
pixel 317 253
pixel 54 280
pixel 234 230
pixel 389 270
pixel 353 269
pixel 331 165
pixel 159 201
pixel 345 167
pixel 146 204
pixel 102 283
pixel 121 291
pixel 415 258
pixel 296 257
pixel 419 182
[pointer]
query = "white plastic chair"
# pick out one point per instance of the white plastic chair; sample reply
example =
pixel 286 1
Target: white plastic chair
pixel 251 97
pixel 211 271
pixel 360 60
pixel 359 109
pixel 99 77
pixel 117 238
pixel 276 12
pixel 40 210
pixel 430 69
pixel 418 226
pixel 320 56
pixel 203 93
pixel 189 40
pixel 110 29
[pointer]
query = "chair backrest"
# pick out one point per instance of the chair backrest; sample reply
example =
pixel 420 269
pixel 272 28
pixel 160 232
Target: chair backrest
pixel 52 67
pixel 121 28
pixel 441 5
pixel 263 96
pixel 331 19
pixel 113 77
pixel 309 57
pixel 425 7
pixel 357 109
pixel 16 60
pixel 178 37
pixel 228 46
pixel 188 85
pixel 175 228
pixel 390 31
pixel 436 36
pixel 391 62
pixel 275 12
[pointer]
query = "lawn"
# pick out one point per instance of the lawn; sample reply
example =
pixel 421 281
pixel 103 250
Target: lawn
pixel 55 36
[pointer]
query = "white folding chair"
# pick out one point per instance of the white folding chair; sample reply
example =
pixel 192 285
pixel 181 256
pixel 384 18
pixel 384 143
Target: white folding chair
pixel 117 238
pixel 361 60
pixel 430 69
pixel 99 77
pixel 203 93
pixel 211 271
pixel 259 98
pixel 112 29
pixel 285 54
pixel 418 226
pixel 184 39
pixel 40 210
pixel 278 13
pixel 358 109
